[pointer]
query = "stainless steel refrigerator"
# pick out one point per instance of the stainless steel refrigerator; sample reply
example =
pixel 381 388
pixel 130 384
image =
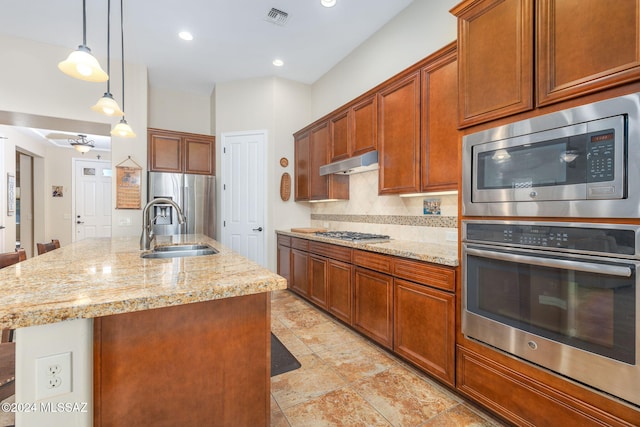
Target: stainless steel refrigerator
pixel 196 196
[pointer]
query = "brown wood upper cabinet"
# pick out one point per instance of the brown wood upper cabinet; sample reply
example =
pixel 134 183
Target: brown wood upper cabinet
pixel 582 46
pixel 399 136
pixel 353 130
pixel 585 46
pixel 171 151
pixel 311 152
pixel 495 59
pixel 440 136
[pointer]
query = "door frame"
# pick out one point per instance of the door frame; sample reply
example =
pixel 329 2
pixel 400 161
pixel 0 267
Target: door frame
pixel 74 165
pixel 224 166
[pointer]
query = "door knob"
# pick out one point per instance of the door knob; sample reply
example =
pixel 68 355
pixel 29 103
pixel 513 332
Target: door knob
pixel 79 222
pixel 257 229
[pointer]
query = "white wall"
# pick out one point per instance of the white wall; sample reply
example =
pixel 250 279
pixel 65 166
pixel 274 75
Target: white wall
pixel 422 28
pixel 281 107
pixel 179 111
pixel 31 83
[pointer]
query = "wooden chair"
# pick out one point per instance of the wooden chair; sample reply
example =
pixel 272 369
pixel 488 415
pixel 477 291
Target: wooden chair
pixel 10 258
pixel 7 259
pixel 46 247
pixel 8 348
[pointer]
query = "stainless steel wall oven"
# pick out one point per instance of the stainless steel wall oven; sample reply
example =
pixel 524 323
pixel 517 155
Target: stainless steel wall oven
pixel 563 296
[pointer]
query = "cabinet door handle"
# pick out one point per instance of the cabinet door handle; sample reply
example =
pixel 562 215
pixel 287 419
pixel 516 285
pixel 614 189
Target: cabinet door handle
pixel 257 229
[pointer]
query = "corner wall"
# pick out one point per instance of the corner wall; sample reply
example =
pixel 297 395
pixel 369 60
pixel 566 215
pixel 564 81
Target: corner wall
pixel 419 30
pixel 281 107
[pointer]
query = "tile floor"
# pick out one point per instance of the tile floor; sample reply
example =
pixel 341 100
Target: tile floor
pixel 345 380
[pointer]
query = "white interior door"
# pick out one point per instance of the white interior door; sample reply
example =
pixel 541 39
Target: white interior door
pixel 243 193
pixel 92 183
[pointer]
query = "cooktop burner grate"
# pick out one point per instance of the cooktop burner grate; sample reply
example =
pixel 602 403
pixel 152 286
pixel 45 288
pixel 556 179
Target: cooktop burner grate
pixel 353 236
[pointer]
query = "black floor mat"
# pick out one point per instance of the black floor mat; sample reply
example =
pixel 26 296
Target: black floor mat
pixel 281 359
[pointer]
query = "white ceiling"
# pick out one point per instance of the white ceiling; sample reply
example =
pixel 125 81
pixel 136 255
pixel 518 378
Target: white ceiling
pixel 232 40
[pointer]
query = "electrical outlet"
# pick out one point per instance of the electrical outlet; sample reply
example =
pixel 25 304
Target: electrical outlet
pixel 53 375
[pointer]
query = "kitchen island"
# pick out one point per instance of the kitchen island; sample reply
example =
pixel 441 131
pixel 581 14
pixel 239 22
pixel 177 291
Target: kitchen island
pixel 174 341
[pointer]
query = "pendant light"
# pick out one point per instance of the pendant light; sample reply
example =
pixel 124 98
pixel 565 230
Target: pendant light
pixel 81 64
pixel 122 129
pixel 107 105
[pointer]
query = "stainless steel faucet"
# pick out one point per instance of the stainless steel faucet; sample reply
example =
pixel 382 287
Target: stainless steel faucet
pixel 147 225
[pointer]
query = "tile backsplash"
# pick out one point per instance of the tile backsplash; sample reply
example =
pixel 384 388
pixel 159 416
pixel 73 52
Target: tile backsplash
pixel 402 218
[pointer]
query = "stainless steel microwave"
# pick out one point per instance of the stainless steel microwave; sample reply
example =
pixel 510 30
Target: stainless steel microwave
pixel 581 162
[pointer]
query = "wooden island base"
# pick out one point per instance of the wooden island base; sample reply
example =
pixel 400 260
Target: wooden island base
pixel 203 363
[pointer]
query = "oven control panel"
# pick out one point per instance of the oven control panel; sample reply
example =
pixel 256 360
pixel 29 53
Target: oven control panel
pixel 584 238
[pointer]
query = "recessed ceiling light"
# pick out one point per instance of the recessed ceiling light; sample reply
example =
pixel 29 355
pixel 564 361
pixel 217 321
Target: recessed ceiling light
pixel 328 3
pixel 185 35
pixel 278 62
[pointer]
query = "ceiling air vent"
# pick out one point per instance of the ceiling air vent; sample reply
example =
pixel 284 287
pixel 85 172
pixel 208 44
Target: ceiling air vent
pixel 277 16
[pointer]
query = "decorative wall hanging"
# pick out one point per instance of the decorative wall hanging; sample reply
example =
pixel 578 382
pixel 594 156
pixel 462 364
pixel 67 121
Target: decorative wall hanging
pixel 57 191
pixel 285 186
pixel 128 185
pixel 11 194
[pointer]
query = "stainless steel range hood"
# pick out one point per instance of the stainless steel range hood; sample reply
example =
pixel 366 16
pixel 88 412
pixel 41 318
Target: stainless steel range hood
pixel 362 163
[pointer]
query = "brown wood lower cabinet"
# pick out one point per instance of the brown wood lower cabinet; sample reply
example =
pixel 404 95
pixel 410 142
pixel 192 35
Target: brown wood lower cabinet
pixel 300 272
pixel 526 401
pixel 405 305
pixel 340 285
pixel 424 322
pixel 318 280
pixel 196 364
pixel 373 305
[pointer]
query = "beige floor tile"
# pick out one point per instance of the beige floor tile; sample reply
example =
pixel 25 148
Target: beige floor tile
pixel 346 380
pixel 459 416
pixel 340 408
pixel 404 398
pixel 356 362
pixel 314 378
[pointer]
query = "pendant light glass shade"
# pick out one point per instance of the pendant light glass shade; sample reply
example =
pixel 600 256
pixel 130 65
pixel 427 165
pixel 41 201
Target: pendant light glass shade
pixel 123 130
pixel 81 64
pixel 83 148
pixel 107 106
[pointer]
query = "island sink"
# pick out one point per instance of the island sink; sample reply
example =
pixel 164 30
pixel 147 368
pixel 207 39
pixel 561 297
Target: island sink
pixel 180 250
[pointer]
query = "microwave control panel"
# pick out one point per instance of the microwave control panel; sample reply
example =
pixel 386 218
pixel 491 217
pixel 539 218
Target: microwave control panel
pixel 601 156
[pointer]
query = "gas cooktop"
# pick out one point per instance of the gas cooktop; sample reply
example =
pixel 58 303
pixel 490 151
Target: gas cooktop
pixel 353 236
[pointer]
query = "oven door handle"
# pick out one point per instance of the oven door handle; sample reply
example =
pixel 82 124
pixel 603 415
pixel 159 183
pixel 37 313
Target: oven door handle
pixel 610 270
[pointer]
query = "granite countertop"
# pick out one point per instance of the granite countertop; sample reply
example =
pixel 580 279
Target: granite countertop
pixel 437 253
pixel 103 276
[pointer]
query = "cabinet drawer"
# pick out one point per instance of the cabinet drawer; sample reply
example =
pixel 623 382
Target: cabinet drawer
pixel 426 274
pixel 301 244
pixel 340 253
pixel 373 261
pixel 284 240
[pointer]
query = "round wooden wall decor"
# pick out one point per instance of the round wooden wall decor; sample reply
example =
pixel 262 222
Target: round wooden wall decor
pixel 285 186
pixel 284 162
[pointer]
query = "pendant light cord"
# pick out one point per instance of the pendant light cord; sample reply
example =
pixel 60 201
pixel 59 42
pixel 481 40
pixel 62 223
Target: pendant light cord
pixel 108 46
pixel 122 41
pixel 84 22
